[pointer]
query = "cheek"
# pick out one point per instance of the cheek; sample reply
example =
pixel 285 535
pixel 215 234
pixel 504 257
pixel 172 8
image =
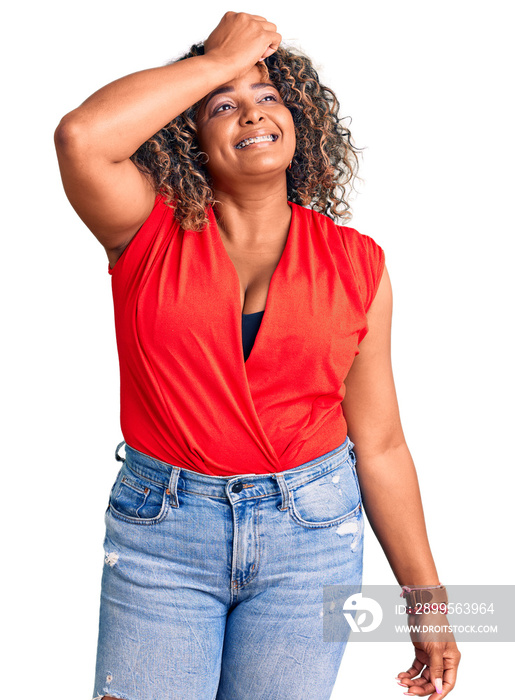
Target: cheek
pixel 289 130
pixel 210 141
pixel 202 140
pixel 217 161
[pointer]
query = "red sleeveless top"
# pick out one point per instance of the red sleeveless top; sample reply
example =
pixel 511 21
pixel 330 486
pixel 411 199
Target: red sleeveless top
pixel 187 396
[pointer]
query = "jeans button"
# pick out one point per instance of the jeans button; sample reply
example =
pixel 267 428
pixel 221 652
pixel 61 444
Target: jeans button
pixel 237 488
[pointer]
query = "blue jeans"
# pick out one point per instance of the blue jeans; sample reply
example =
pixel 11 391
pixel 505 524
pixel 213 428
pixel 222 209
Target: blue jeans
pixel 212 587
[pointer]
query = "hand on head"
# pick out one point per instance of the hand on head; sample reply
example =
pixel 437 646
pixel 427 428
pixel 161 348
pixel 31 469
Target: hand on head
pixel 241 40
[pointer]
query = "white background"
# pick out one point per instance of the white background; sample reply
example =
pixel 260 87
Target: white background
pixel 429 88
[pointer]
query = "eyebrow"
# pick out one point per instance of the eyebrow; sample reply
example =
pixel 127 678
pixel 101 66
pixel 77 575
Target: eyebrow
pixel 228 88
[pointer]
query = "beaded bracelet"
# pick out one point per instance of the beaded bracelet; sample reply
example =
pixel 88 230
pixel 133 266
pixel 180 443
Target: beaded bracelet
pixel 408 589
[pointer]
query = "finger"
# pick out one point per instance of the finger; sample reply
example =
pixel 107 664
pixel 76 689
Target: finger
pixel 415 668
pixel 423 679
pixel 269 27
pixel 275 39
pixel 436 668
pixel 425 689
pixel 272 48
pixel 422 685
pixel 449 680
pixel 268 53
pixel 403 676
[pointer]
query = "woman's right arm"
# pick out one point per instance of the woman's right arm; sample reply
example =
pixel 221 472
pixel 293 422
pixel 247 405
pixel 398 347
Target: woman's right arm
pixel 94 142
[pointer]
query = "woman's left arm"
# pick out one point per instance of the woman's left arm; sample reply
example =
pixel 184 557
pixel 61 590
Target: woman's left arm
pixel 389 485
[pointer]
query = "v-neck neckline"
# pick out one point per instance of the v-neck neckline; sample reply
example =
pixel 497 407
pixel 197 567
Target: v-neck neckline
pixel 235 300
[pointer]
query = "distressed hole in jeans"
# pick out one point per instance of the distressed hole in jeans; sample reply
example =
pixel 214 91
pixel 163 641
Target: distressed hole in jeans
pixel 350 527
pixel 111 558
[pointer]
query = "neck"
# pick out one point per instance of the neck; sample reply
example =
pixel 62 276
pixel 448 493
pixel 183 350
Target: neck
pixel 255 219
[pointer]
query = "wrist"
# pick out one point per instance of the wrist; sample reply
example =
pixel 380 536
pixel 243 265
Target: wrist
pixel 224 66
pixel 219 66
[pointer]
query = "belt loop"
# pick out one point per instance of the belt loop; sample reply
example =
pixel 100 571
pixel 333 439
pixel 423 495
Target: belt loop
pixel 118 458
pixel 172 486
pixel 284 491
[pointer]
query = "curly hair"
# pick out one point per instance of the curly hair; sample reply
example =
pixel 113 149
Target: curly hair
pixel 323 167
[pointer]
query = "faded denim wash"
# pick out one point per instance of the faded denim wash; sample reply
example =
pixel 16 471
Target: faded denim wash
pixel 212 587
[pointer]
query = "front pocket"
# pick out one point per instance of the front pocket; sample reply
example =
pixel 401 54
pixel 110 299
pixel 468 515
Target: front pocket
pixel 135 498
pixel 327 499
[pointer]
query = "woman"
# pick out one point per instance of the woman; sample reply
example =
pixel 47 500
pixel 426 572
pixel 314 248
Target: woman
pixel 238 501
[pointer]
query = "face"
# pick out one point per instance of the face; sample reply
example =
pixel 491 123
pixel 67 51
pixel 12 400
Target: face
pixel 246 130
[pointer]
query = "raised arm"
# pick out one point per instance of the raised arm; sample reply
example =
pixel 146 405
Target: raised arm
pixel 94 142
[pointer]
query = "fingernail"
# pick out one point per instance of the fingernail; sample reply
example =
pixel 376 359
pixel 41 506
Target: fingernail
pixel 404 685
pixel 438 685
pixel 408 693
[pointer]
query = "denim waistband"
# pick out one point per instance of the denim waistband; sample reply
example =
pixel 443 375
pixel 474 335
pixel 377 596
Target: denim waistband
pixel 238 487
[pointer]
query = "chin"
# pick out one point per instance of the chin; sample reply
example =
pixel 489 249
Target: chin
pixel 263 165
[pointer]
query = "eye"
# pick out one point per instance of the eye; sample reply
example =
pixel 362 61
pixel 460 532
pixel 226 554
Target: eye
pixel 269 97
pixel 222 107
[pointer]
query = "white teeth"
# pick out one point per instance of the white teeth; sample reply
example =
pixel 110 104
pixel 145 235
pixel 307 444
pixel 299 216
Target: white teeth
pixel 255 139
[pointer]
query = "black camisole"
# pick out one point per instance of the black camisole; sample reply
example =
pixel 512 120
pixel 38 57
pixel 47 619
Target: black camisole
pixel 249 327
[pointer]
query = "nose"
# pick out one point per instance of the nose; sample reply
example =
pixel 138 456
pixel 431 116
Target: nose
pixel 251 113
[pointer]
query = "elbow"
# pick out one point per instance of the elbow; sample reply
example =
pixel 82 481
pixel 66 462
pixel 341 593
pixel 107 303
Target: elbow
pixel 70 135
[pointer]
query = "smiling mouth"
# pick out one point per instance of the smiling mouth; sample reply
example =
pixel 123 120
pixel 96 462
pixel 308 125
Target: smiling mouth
pixel 256 139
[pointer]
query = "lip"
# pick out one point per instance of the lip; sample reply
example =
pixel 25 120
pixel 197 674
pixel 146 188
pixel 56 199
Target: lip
pixel 253 134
